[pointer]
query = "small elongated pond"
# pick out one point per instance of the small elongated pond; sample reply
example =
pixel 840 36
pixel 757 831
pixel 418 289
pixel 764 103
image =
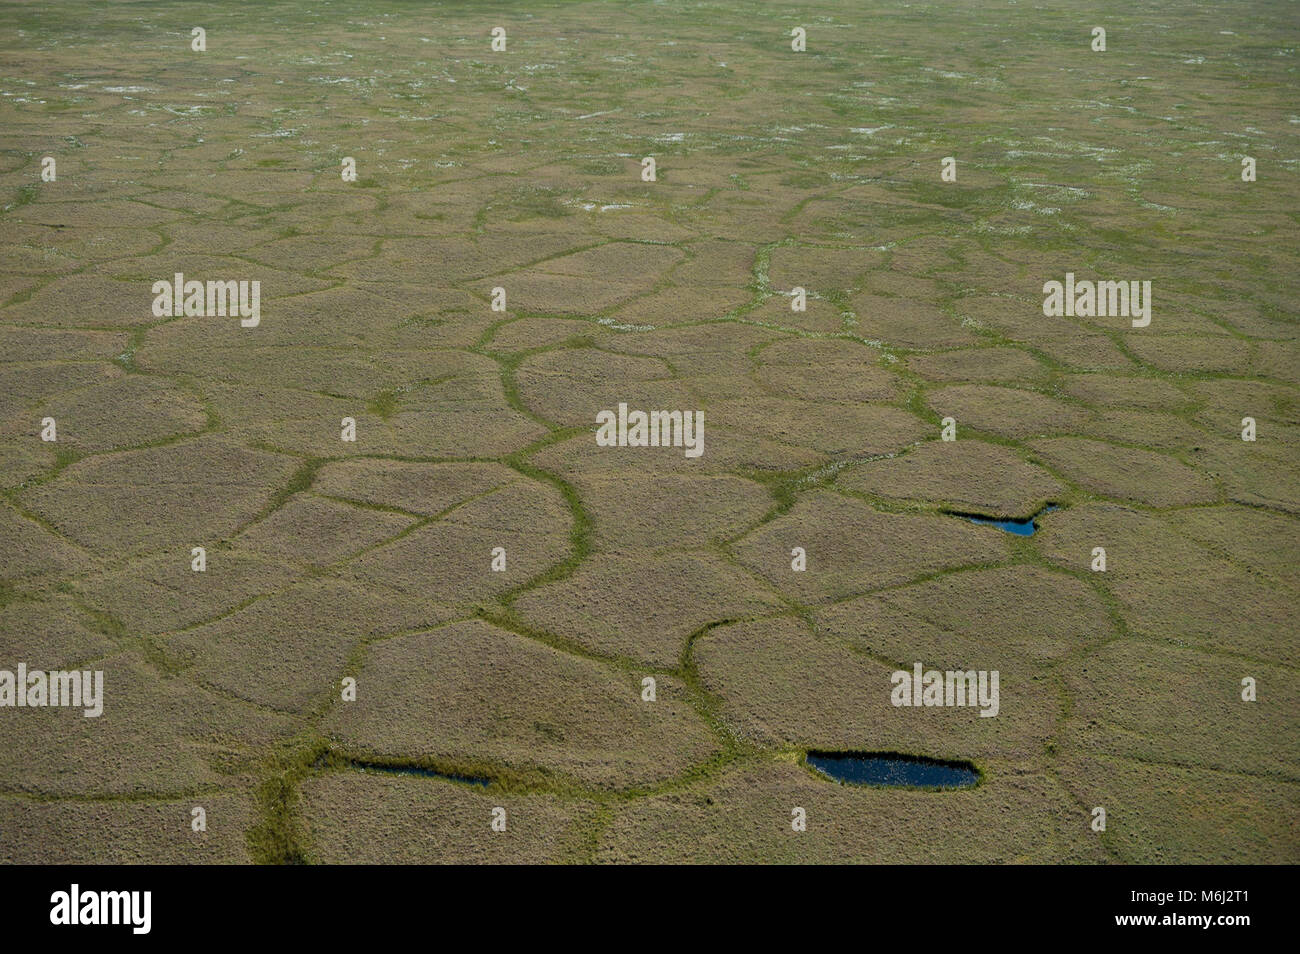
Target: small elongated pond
pixel 892 769
pixel 1021 528
pixel 418 771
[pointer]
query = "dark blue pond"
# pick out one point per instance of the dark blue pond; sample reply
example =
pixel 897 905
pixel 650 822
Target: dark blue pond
pixel 1021 528
pixel 884 768
pixel 418 771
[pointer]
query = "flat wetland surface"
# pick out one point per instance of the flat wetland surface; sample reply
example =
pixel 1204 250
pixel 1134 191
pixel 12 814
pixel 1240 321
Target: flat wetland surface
pixel 371 560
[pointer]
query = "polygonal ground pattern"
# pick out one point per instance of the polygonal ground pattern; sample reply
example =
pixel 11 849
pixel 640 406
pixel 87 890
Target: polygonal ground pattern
pixel 630 649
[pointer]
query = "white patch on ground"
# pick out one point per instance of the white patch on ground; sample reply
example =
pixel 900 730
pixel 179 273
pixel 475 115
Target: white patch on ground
pixel 618 326
pixel 983 226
